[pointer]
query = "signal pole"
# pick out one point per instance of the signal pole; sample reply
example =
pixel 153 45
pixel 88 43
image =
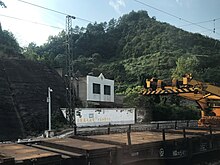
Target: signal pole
pixel 69 71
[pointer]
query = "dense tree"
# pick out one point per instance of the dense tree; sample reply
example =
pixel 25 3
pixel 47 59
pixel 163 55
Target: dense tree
pixel 137 45
pixel 131 49
pixel 2 4
pixel 185 65
pixel 134 45
pixel 30 52
pixel 162 110
pixel 9 46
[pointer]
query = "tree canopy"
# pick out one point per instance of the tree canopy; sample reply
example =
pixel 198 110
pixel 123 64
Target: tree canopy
pixel 9 47
pixel 129 50
pixel 2 4
pixel 132 48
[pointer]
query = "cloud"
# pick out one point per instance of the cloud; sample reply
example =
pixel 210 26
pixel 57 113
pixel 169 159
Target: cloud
pixel 117 4
pixel 184 3
pixel 179 2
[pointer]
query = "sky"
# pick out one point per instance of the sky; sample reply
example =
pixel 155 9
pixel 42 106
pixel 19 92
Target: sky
pixel 197 16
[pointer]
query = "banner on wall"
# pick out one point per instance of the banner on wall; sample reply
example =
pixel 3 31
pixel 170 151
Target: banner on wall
pixel 104 116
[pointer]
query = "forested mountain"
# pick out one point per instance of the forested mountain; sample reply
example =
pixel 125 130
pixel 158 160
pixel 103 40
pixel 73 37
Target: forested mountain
pixel 129 50
pixel 133 48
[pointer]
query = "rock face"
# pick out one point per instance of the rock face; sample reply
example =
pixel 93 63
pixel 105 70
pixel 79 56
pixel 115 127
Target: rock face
pixel 23 97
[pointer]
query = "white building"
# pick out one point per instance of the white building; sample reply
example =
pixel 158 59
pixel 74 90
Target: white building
pixel 100 105
pixel 96 92
pixel 100 89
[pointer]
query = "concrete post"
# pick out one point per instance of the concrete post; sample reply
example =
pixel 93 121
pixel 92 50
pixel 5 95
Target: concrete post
pixel 129 137
pixel 184 133
pixel 109 129
pixel 164 136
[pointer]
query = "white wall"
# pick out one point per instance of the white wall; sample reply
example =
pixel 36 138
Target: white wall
pixel 102 81
pixel 104 116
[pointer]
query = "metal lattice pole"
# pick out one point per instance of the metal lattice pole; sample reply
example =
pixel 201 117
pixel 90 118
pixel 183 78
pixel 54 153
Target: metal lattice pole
pixel 69 70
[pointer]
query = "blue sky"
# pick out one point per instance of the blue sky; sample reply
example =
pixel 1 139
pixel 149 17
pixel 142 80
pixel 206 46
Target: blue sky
pixel 104 10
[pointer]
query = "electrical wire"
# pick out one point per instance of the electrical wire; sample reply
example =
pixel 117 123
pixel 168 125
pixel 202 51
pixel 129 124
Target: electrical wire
pixel 214 26
pixel 208 30
pixel 20 19
pixel 182 19
pixel 200 22
pixel 55 11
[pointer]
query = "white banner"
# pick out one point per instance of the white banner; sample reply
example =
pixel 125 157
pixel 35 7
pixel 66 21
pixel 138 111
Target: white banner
pixel 104 116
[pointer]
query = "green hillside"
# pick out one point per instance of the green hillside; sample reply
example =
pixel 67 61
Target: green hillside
pixel 132 48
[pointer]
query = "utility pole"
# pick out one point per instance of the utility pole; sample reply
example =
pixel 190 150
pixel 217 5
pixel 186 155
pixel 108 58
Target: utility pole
pixel 69 71
pixel 49 108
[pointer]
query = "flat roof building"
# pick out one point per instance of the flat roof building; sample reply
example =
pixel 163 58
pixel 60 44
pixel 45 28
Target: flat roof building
pixel 96 91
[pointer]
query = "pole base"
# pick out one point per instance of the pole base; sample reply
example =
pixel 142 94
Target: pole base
pixel 48 134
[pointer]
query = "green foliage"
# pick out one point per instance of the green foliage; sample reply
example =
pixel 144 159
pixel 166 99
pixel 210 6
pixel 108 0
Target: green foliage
pixel 9 47
pixel 172 112
pixel 57 121
pixel 159 107
pixel 31 52
pixel 185 65
pixel 135 99
pixel 2 4
pixel 212 75
pixel 83 64
pixel 113 70
pixel 131 49
pixel 51 53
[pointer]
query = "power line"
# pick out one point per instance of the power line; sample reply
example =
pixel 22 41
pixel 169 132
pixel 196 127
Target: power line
pixel 208 30
pixel 215 19
pixel 55 11
pixel 20 19
pixel 182 19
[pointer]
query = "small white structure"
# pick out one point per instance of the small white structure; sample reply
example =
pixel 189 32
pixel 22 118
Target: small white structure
pixel 100 89
pixel 99 103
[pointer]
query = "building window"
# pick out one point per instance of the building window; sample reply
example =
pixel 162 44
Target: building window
pixel 107 90
pixel 96 88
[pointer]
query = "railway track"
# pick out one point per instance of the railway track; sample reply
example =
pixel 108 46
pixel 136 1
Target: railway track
pixel 159 143
pixel 124 128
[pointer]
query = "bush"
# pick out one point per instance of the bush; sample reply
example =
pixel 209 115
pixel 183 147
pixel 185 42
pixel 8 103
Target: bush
pixel 172 112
